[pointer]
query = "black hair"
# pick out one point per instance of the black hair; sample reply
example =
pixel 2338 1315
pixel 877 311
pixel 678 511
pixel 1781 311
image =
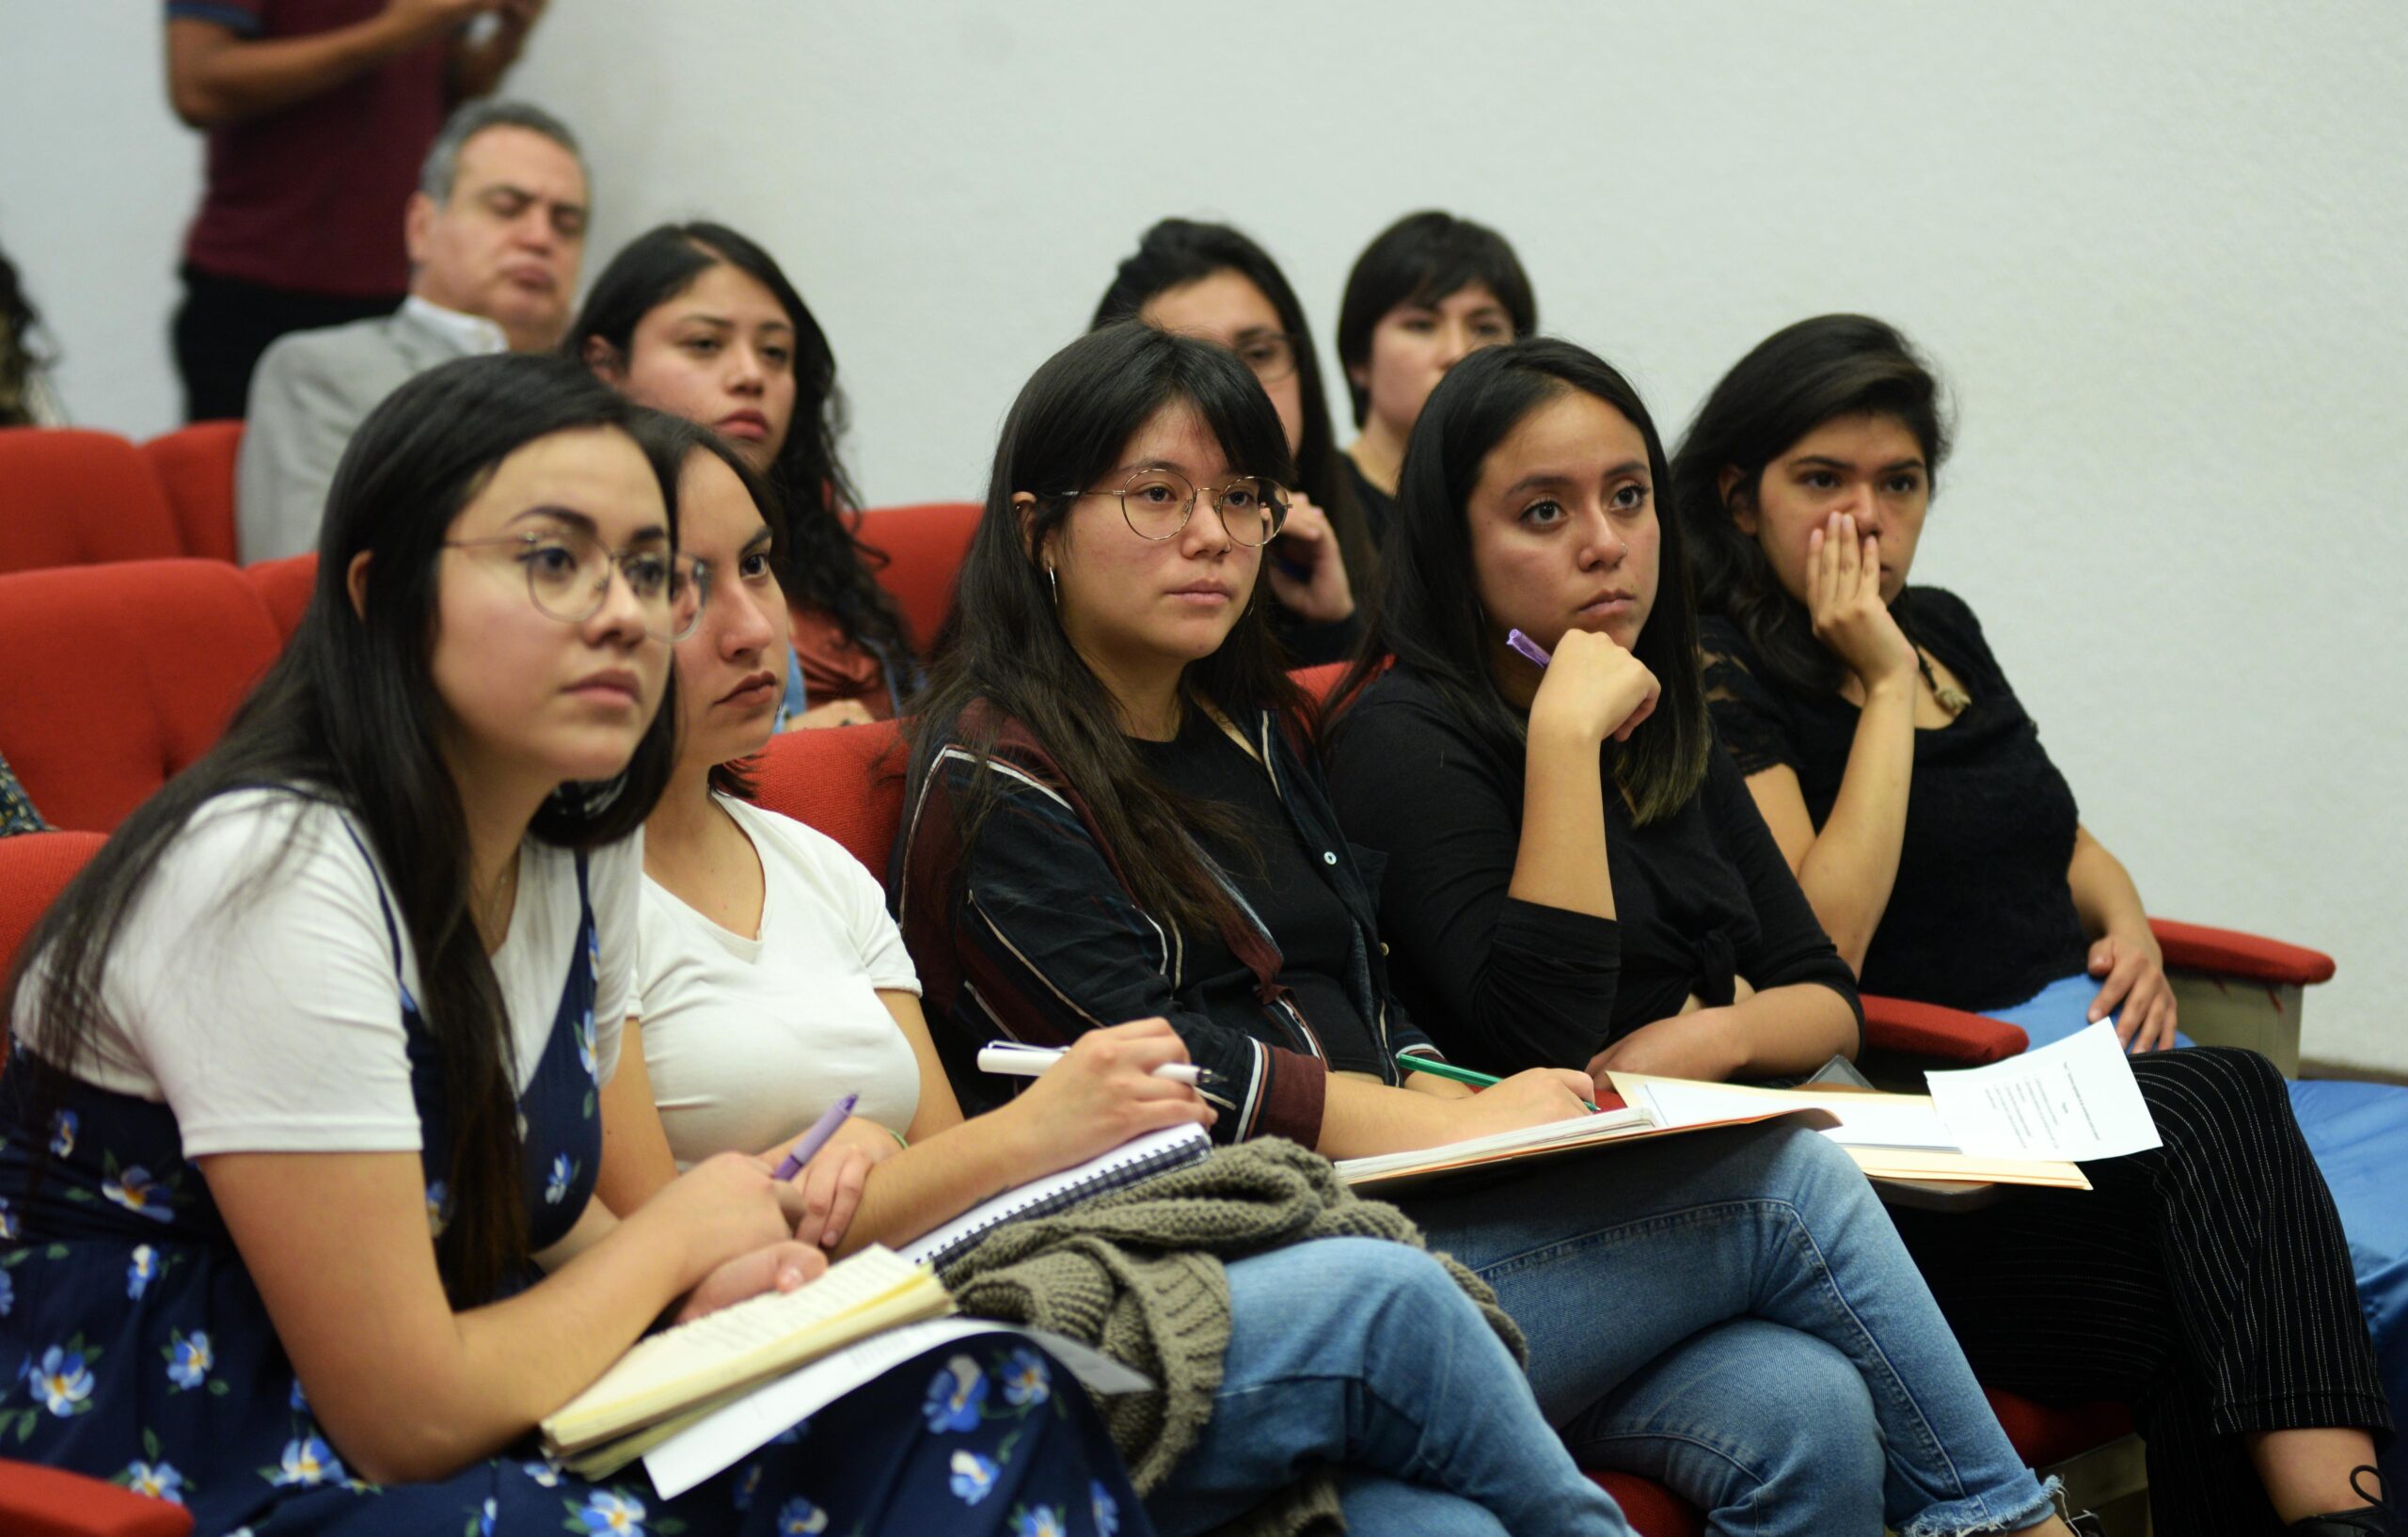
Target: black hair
pixel 824 565
pixel 348 713
pixel 1004 649
pixel 736 778
pixel 1788 384
pixel 1420 258
pixel 1176 252
pixel 21 362
pixel 1427 613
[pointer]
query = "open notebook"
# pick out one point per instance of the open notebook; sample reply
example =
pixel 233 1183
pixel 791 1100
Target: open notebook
pixel 1614 1124
pixel 672 1377
pixel 1139 1158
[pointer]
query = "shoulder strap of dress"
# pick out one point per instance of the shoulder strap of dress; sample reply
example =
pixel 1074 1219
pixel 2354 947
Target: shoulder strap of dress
pixel 384 904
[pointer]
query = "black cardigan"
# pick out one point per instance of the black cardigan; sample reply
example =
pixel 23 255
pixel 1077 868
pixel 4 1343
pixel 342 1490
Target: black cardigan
pixel 1503 984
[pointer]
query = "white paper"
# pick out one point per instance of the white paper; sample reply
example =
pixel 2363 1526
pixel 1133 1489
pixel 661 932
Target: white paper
pixel 715 1442
pixel 1865 1120
pixel 2075 1100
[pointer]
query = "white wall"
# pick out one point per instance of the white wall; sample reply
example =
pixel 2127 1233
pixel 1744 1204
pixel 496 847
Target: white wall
pixel 2161 248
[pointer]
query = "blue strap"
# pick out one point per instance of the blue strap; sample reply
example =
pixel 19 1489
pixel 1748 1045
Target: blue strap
pixel 796 700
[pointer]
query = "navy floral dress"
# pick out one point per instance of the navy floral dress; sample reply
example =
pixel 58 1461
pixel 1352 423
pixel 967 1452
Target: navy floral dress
pixel 142 1354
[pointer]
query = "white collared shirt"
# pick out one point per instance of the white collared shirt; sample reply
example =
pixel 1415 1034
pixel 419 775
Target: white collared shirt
pixel 474 334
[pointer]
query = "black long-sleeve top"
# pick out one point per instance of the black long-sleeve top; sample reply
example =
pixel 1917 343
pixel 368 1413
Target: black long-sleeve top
pixel 1980 915
pixel 1501 984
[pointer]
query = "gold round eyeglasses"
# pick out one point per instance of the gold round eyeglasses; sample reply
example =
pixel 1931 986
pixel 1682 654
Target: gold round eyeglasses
pixel 1157 504
pixel 569 570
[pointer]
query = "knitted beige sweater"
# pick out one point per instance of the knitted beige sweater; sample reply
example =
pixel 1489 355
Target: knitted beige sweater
pixel 1137 1274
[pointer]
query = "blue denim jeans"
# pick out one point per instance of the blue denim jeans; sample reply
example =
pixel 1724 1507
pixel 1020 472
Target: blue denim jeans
pixel 1732 1312
pixel 1363 1355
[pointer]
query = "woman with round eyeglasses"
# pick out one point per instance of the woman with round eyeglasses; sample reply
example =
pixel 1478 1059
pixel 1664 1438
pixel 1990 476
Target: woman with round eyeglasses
pixel 773 983
pixel 1428 291
pixel 300 1132
pixel 1110 815
pixel 1209 281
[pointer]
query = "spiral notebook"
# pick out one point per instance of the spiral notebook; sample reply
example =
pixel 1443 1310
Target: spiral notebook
pixel 1139 1158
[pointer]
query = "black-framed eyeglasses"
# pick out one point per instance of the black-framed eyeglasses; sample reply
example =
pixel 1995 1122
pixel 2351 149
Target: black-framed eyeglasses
pixel 1157 504
pixel 1271 355
pixel 568 574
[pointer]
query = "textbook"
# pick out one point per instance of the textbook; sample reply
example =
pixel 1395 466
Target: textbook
pixel 1139 1158
pixel 669 1379
pixel 1398 1173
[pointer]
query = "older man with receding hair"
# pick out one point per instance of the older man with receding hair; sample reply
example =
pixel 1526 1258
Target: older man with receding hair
pixel 495 232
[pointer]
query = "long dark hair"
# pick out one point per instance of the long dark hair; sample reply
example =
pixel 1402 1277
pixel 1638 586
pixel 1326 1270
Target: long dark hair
pixel 1004 649
pixel 20 361
pixel 348 711
pixel 1179 251
pixel 824 565
pixel 736 778
pixel 1427 613
pixel 1791 383
pixel 1420 258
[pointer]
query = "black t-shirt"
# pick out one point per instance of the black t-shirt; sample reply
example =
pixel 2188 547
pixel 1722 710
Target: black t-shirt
pixel 1701 897
pixel 1279 879
pixel 1379 508
pixel 1981 916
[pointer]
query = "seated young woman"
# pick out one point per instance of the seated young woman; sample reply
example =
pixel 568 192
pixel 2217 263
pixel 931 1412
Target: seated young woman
pixel 1212 281
pixel 774 981
pixel 1905 782
pixel 1429 290
pixel 1576 874
pixel 302 1124
pixel 1106 817
pixel 697 321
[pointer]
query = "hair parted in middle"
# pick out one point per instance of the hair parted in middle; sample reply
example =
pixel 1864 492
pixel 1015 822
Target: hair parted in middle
pixel 1427 614
pixel 1004 654
pixel 823 563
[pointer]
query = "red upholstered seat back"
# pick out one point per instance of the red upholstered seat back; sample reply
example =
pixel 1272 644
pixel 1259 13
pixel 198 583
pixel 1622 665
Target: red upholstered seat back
pixel 69 497
pixel 285 587
pixel 924 545
pixel 120 676
pixel 195 467
pixel 34 868
pixel 845 781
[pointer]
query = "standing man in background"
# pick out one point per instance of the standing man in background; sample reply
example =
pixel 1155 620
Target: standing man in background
pixel 318 113
pixel 494 234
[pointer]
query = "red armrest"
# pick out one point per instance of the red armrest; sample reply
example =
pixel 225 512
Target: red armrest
pixel 1913 1029
pixel 37 1502
pixel 2197 947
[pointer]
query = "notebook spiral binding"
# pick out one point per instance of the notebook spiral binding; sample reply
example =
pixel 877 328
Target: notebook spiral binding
pixel 1060 1192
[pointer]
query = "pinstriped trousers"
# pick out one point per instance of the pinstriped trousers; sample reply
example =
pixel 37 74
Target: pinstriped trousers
pixel 2207 1283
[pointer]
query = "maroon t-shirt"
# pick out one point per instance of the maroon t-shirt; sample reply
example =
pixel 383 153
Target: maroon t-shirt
pixel 309 198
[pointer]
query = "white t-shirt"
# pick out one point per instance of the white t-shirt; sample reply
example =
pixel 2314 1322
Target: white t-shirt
pixel 749 1040
pixel 269 1020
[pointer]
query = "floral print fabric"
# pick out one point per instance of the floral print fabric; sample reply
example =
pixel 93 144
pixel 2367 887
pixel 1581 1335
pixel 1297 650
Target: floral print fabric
pixel 142 1354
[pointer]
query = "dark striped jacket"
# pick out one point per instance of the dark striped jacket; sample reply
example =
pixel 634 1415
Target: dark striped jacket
pixel 1033 935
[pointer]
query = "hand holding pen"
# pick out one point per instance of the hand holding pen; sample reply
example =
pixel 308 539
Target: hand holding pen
pixel 1590 687
pixel 1110 1085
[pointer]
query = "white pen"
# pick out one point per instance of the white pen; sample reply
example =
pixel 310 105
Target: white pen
pixel 1024 1061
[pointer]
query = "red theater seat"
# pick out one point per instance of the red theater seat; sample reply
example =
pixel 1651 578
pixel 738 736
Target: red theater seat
pixel 285 587
pixel 845 781
pixel 195 467
pixel 924 545
pixel 69 497
pixel 120 676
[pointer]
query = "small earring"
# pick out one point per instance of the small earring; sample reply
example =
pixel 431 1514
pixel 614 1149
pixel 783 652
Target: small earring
pixel 1056 583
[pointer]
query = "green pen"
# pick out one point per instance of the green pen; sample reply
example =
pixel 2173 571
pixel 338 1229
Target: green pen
pixel 1449 1070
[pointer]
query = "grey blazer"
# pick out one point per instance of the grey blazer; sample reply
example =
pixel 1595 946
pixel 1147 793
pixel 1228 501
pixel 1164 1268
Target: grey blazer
pixel 311 391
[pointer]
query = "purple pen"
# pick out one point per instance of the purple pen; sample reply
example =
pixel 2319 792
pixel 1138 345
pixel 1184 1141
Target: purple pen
pixel 815 1139
pixel 1528 647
